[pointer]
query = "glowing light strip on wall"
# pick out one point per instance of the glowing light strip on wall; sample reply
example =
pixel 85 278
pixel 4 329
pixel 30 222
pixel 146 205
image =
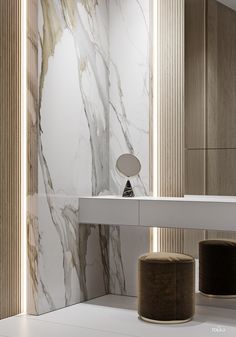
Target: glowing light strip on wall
pixel 156 101
pixel 23 155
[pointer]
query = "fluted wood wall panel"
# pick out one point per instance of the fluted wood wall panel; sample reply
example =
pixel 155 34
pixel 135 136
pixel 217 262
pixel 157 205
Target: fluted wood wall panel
pixel 171 105
pixel 10 155
pixel 171 111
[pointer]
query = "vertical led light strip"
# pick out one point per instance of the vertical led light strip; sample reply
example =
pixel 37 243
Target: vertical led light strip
pixel 23 155
pixel 156 102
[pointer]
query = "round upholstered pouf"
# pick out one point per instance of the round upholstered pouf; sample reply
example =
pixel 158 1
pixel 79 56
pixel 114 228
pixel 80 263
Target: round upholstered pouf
pixel 217 267
pixel 166 287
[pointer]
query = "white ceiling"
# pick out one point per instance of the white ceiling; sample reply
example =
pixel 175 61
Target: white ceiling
pixel 229 3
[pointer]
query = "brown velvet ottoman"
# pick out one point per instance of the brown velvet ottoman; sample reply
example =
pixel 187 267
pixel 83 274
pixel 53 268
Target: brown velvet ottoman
pixel 166 287
pixel 217 268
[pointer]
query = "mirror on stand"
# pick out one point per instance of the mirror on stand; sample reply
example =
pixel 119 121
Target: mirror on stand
pixel 128 165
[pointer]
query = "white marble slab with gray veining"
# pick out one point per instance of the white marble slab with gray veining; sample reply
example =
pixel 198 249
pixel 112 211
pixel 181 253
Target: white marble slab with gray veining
pixel 93 60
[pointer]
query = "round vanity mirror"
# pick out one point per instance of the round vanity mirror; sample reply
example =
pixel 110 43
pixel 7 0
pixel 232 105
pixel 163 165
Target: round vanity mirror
pixel 128 165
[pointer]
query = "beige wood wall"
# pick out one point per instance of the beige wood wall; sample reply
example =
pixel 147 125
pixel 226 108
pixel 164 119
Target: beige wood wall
pixel 10 157
pixel 210 102
pixel 210 98
pixel 171 97
pixel 170 110
pixel 206 46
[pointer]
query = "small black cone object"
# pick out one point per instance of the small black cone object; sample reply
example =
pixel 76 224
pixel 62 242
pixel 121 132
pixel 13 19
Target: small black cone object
pixel 128 190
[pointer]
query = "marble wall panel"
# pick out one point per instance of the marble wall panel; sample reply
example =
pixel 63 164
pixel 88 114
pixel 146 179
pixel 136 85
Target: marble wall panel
pixel 89 110
pixel 129 89
pixel 73 133
pixel 69 257
pixel 126 245
pixel 129 128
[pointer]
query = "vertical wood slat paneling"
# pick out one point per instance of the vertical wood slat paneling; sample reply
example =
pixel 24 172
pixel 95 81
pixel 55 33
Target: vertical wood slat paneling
pixel 172 98
pixel 171 111
pixel 176 45
pixel 10 157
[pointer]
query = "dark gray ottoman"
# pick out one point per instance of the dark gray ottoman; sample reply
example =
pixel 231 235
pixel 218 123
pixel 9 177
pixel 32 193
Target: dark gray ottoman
pixel 166 287
pixel 217 268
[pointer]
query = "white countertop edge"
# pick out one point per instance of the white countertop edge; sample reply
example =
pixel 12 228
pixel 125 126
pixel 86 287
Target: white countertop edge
pixel 186 198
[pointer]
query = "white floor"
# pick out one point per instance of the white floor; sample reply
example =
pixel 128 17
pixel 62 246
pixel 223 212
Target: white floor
pixel 115 316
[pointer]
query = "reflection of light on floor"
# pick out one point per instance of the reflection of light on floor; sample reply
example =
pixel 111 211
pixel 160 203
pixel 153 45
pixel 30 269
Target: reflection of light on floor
pixel 113 315
pixel 155 239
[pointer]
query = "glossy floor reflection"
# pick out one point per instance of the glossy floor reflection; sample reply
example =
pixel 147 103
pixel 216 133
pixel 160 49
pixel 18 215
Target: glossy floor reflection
pixel 116 316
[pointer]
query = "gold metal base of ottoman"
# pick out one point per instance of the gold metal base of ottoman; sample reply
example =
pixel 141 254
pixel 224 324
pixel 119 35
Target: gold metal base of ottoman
pixel 218 296
pixel 164 322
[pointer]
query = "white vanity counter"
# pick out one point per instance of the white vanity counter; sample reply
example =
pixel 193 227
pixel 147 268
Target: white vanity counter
pixel 198 212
